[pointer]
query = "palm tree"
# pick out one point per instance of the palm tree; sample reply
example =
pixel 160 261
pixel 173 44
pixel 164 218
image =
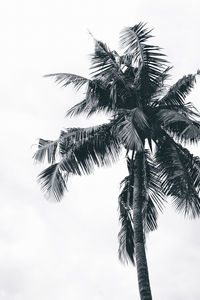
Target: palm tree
pixel 147 118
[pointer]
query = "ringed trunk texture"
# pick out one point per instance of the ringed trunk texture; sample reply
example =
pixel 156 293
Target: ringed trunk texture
pixel 140 254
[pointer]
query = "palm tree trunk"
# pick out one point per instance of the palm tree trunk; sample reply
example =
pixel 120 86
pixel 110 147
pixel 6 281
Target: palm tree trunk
pixel 140 254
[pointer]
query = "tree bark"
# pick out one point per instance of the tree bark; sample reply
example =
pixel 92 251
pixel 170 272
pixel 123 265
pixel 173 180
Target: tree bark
pixel 140 254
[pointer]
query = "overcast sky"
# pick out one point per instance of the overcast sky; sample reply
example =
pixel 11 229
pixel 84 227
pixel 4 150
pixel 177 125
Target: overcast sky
pixel 68 250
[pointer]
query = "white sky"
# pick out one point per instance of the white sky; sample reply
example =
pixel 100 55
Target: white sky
pixel 68 250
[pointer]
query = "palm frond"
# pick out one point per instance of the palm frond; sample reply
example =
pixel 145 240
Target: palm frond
pixel 154 200
pixel 180 175
pixel 80 150
pixel 66 79
pixel 179 125
pixel 150 75
pixel 46 149
pixel 161 86
pixel 106 66
pixel 131 38
pixel 97 99
pixel 167 117
pixel 78 109
pixel 150 216
pixel 132 128
pixel 129 135
pixel 126 249
pixel 139 119
pixel 53 182
pixel 96 96
pixel 149 60
pixel 177 93
pixel 104 62
pixel 184 132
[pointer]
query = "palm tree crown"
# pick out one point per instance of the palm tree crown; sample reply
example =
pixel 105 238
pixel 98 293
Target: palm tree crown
pixel 147 118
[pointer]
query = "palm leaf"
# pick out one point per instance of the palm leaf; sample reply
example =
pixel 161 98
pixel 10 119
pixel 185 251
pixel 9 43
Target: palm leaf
pixel 148 59
pixel 78 109
pixel 66 79
pixel 152 204
pixel 139 119
pixel 53 182
pixel 97 96
pixel 154 199
pixel 46 149
pixel 126 249
pixel 132 128
pixel 180 175
pixel 103 62
pixel 80 149
pixel 179 125
pixel 129 135
pixel 106 66
pixel 97 99
pixel 177 93
pixel 131 38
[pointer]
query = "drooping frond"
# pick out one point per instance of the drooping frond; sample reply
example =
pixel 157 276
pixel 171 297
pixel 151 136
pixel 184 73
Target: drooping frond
pixel 126 249
pixel 180 175
pixel 154 199
pixel 46 149
pixel 53 182
pixel 80 150
pixel 126 239
pixel 132 128
pixel 175 97
pixel 179 125
pixel 152 203
pixel 139 119
pixel 66 79
pixel 129 135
